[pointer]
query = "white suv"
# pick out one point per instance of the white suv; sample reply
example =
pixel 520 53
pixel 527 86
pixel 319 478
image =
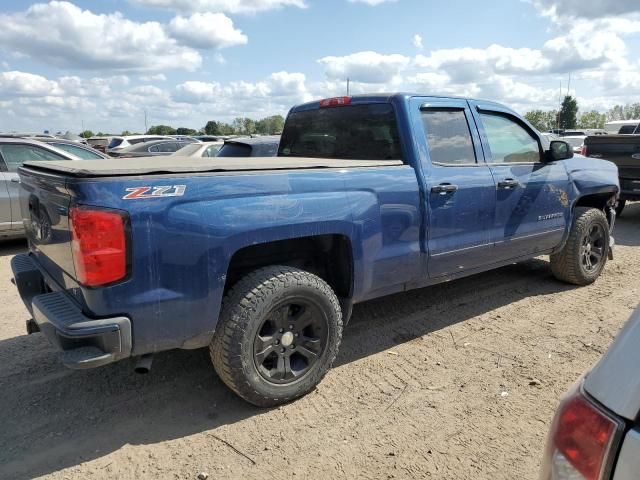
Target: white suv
pixel 118 143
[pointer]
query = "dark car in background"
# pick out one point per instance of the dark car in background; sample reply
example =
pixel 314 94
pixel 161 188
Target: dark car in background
pixel 166 146
pixel 266 146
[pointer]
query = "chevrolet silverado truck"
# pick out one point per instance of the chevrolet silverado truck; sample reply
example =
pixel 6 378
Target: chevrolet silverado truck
pixel 624 151
pixel 262 259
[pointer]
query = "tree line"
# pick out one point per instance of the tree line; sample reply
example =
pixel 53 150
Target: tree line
pixel 569 117
pixel 272 125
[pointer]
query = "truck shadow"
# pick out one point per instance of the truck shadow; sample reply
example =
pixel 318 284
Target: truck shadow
pixel 627 231
pixel 8 248
pixel 56 418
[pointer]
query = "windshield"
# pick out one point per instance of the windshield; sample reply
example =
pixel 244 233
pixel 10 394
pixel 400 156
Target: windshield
pixel 356 132
pixel 115 142
pixel 189 149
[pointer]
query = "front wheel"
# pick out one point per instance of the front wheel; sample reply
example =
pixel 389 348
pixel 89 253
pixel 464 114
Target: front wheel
pixel 277 336
pixel 585 254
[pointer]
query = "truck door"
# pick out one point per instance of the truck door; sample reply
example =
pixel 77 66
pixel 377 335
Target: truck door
pixel 532 198
pixel 460 191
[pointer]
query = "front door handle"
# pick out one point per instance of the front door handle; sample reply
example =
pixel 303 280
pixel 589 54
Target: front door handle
pixel 508 183
pixel 15 180
pixel 444 188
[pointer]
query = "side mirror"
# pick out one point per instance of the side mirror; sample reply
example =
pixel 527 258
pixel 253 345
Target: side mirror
pixel 559 150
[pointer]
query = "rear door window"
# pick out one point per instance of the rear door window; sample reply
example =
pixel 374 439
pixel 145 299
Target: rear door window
pixel 448 136
pixel 15 155
pixel 354 132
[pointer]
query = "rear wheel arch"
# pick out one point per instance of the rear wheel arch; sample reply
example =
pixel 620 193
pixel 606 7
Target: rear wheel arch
pixel 329 256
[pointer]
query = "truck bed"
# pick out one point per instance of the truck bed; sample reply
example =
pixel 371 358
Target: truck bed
pixel 174 164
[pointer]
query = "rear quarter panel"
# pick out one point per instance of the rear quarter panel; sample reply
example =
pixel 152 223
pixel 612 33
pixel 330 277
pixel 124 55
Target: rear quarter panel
pixel 182 246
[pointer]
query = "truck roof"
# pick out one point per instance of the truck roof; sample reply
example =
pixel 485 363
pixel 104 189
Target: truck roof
pixel 387 98
pixel 174 164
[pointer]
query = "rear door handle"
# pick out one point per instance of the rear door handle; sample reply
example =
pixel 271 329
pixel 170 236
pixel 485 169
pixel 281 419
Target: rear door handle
pixel 444 188
pixel 508 183
pixel 15 180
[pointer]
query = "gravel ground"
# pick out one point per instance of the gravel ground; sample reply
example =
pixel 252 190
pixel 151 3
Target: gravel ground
pixel 454 381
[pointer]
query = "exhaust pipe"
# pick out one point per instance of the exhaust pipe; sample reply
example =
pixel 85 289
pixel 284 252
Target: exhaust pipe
pixel 143 364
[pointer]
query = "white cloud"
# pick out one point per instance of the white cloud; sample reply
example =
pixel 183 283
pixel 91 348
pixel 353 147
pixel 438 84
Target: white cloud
pixel 16 83
pixel 158 77
pixel 372 3
pixel 588 8
pixel 417 41
pixel 226 6
pixel 468 64
pixel 206 30
pixel 197 92
pixel 62 34
pixel 366 67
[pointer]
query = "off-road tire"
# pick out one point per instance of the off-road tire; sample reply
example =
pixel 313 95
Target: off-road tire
pixel 244 308
pixel 566 265
pixel 620 207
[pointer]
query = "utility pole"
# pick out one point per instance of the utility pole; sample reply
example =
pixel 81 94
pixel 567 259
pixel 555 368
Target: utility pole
pixel 146 129
pixel 348 81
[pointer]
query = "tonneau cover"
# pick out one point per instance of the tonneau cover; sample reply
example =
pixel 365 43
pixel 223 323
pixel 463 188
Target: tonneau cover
pixel 177 164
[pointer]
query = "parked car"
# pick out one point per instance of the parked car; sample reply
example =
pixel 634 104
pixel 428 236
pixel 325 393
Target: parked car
pixel 576 142
pixel 583 132
pixel 200 149
pixel 624 151
pixel 595 432
pixel 623 127
pixel 261 260
pixel 119 143
pixel 99 143
pixel 153 148
pixel 266 146
pixel 210 138
pixel 13 153
pixel 80 150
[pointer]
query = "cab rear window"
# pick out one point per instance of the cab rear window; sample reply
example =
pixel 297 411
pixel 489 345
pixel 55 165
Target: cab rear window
pixel 354 132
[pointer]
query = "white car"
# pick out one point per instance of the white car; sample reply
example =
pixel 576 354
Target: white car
pixel 119 143
pixel 200 149
pixel 622 127
pixel 576 142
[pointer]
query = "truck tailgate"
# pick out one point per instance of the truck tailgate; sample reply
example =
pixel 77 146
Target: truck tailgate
pixel 44 201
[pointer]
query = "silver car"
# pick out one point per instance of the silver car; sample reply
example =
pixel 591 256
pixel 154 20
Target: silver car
pixel 13 153
pixel 595 434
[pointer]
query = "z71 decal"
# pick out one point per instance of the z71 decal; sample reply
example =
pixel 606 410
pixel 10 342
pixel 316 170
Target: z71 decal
pixel 154 192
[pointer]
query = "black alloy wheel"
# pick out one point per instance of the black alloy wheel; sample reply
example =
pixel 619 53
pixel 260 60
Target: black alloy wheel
pixel 290 341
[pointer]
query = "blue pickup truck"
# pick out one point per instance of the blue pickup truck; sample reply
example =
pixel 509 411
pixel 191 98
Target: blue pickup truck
pixel 262 259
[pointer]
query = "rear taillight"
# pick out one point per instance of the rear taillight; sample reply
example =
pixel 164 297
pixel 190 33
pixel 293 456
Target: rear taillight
pixel 584 150
pixel 99 245
pixel 582 441
pixel 335 102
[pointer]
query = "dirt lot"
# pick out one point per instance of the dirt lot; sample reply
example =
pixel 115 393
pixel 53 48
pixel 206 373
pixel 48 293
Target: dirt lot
pixel 454 381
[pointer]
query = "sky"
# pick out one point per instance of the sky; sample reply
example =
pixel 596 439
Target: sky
pixel 103 65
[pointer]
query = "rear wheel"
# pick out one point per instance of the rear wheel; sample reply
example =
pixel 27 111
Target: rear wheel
pixel 278 334
pixel 585 254
pixel 620 207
